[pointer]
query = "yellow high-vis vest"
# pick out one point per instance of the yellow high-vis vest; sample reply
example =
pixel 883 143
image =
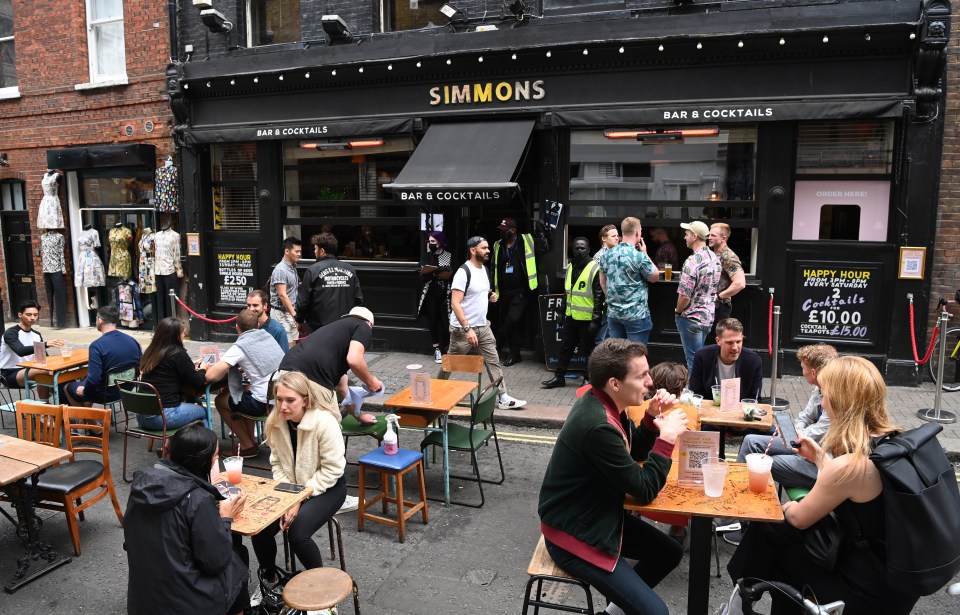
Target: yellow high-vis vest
pixel 580 294
pixel 530 262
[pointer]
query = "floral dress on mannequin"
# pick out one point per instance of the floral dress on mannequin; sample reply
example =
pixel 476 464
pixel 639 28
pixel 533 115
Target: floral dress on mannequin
pixel 89 266
pixel 148 275
pixel 50 214
pixel 121 264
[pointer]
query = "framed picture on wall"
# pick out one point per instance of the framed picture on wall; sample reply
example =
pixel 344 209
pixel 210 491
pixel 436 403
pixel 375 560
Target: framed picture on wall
pixel 193 244
pixel 912 261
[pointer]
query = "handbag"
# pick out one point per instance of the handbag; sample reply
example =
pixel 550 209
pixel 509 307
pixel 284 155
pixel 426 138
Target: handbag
pixel 823 540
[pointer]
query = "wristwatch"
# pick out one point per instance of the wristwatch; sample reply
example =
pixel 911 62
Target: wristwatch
pixel 467 329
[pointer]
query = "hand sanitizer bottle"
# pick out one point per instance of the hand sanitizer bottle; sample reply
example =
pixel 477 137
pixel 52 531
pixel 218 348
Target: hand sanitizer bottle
pixel 390 438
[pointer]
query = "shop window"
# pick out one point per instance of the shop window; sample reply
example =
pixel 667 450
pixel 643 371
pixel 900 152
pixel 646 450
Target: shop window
pixel 109 188
pixel 8 57
pixel 336 186
pixel 105 42
pixel 860 147
pixel 13 195
pixel 840 222
pixel 398 15
pixel 234 187
pixel 270 22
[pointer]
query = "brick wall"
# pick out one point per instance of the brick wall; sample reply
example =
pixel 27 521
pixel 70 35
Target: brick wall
pixel 946 251
pixel 50 114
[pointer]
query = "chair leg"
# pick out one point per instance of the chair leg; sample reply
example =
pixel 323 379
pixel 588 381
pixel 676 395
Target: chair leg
pixel 423 492
pixel 401 517
pixel 356 598
pixel 385 481
pixel 79 514
pixel 69 510
pixel 114 501
pixel 361 501
pixel 126 437
pixel 334 523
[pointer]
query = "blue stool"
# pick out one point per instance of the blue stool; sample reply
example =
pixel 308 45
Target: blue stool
pixel 395 466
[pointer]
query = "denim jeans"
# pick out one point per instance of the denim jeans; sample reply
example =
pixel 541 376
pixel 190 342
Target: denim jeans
pixel 177 416
pixel 634 330
pixel 692 336
pixel 631 589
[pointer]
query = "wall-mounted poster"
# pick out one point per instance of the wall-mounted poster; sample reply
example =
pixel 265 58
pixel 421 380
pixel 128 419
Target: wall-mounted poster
pixel 837 302
pixel 193 244
pixel 841 210
pixel 235 276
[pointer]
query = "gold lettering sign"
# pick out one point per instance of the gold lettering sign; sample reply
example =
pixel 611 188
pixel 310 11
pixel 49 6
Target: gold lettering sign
pixel 489 92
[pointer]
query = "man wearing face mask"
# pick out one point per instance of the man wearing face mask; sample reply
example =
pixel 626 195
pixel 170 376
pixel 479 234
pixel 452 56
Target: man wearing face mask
pixel 585 304
pixel 514 276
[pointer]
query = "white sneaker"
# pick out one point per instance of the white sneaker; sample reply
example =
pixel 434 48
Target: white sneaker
pixel 437 355
pixel 350 504
pixel 505 402
pixel 257 597
pixel 332 611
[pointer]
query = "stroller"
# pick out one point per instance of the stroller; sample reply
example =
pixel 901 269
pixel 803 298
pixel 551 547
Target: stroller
pixel 748 591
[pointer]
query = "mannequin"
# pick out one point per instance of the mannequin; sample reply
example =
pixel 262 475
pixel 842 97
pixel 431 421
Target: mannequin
pixel 50 214
pixel 147 249
pixel 167 266
pixel 120 261
pixel 52 246
pixel 165 187
pixel 89 268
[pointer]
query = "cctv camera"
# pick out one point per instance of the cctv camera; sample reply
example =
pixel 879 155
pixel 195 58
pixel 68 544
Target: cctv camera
pixel 215 21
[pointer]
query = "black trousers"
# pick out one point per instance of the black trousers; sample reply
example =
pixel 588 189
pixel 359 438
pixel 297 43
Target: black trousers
pixel 434 311
pixel 166 283
pixel 721 311
pixel 511 309
pixel 56 297
pixel 575 334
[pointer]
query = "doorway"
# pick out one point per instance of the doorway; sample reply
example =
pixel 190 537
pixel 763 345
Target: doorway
pixel 17 245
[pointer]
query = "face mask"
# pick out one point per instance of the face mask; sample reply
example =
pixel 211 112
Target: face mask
pixel 580 256
pixel 432 247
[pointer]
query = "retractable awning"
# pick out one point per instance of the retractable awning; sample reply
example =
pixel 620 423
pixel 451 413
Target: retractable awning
pixel 462 162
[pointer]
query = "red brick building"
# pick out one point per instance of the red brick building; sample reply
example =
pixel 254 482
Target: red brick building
pixel 80 93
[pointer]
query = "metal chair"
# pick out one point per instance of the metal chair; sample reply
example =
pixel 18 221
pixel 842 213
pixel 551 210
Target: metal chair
pixel 128 372
pixel 7 402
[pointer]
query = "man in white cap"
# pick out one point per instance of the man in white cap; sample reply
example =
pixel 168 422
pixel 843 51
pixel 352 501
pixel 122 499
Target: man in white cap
pixel 328 353
pixel 697 290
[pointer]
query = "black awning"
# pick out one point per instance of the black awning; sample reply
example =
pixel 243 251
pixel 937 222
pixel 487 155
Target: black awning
pixel 101 156
pixel 307 129
pixel 466 161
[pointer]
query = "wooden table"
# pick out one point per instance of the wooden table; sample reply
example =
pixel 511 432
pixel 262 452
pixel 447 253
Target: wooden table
pixel 711 415
pixel 57 370
pixel 21 460
pixel 264 504
pixel 736 502
pixel 444 396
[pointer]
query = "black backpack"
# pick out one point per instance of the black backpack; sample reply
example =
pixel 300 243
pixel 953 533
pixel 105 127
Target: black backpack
pixel 921 509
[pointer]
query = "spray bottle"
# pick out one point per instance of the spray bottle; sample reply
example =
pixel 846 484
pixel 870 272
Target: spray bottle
pixel 390 438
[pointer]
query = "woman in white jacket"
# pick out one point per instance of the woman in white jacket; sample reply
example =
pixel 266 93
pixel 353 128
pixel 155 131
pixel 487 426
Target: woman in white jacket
pixel 306 447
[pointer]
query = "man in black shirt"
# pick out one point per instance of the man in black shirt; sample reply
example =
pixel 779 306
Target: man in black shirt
pixel 329 288
pixel 325 355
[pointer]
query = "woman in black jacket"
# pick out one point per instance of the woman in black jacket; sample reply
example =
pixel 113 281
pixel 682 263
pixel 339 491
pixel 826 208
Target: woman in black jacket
pixel 435 275
pixel 167 366
pixel 177 535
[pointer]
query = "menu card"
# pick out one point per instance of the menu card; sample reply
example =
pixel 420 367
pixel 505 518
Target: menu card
pixel 209 354
pixel 730 395
pixel 40 353
pixel 420 385
pixel 694 447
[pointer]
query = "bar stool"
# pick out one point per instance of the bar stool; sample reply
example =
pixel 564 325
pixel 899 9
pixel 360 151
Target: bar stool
pixel 319 588
pixel 393 466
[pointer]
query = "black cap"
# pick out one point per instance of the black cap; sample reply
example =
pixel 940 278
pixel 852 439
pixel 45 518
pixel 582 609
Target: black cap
pixel 475 241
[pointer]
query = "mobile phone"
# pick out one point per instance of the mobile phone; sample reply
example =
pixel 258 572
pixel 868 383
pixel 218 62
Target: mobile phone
pixel 289 488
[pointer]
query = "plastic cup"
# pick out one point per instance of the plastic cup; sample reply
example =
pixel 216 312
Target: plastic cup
pixel 749 408
pixel 714 476
pixel 696 401
pixel 66 351
pixel 668 272
pixel 715 389
pixel 758 469
pixel 234 468
pixel 663 270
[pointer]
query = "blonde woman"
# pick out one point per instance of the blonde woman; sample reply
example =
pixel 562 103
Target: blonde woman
pixel 306 447
pixel 854 396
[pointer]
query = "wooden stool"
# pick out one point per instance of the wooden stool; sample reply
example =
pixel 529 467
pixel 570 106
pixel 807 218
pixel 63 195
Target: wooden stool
pixel 543 568
pixel 319 588
pixel 395 466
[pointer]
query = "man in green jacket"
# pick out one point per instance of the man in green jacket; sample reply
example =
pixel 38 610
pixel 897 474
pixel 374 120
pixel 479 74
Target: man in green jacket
pixel 594 465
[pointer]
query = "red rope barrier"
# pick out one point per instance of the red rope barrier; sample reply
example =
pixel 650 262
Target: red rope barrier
pixel 770 328
pixel 201 316
pixel 913 339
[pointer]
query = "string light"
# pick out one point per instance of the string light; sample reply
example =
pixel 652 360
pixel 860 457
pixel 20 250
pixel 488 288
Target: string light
pixel 208 84
pixel 826 39
pixel 479 58
pixel 699 45
pixel 660 48
pixel 419 64
pixel 740 44
pixel 334 72
pixel 233 82
pixel 389 66
pixel 186 86
pixel 620 50
pixel 513 57
pixel 281 77
pixel 866 36
pixel 449 61
pixel 307 75
pixel 549 53
pixel 586 52
pixel 256 79
pixel 361 69
pixel 913 35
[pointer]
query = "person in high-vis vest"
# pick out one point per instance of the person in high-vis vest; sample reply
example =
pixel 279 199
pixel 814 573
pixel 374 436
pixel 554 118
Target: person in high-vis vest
pixel 584 312
pixel 514 279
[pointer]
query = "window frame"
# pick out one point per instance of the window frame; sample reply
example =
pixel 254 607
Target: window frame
pixel 15 184
pixel 249 23
pixel 11 91
pixel 94 75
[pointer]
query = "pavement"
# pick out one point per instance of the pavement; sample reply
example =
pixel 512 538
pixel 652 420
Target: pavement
pixel 549 407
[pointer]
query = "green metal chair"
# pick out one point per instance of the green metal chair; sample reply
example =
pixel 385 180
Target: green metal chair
pixel 139 397
pixel 128 372
pixel 460 438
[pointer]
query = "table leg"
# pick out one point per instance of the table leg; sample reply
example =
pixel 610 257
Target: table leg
pixel 26 382
pixel 39 555
pixel 698 585
pixel 56 387
pixel 446 462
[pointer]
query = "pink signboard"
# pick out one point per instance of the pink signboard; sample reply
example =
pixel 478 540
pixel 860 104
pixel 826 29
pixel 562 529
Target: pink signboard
pixel 873 198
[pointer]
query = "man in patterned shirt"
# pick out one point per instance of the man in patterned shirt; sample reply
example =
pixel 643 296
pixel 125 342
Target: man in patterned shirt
pixel 697 290
pixel 625 271
pixel 732 280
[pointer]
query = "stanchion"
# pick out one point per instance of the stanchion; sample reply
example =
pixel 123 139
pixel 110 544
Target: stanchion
pixel 172 296
pixel 935 414
pixel 777 402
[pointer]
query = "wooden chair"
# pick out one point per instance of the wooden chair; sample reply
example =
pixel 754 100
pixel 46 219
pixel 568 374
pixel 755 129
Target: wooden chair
pixel 463 364
pixel 39 422
pixel 63 487
pixel 392 466
pixel 319 588
pixel 543 568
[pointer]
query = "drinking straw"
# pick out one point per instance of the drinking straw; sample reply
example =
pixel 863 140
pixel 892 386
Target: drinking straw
pixel 776 432
pixel 238 448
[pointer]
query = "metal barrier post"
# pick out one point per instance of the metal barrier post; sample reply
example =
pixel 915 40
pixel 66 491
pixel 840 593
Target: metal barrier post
pixel 173 302
pixel 775 362
pixel 934 414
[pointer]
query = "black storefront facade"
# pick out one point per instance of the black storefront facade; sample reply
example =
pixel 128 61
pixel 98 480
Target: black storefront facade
pixel 813 131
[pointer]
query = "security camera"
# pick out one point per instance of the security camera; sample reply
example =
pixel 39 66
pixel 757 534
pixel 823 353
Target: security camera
pixel 202 4
pixel 215 21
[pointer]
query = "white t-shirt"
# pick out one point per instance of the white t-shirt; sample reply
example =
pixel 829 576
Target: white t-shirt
pixel 475 299
pixel 258 381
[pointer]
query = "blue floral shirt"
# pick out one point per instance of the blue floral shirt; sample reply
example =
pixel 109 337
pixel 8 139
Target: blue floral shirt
pixel 627 270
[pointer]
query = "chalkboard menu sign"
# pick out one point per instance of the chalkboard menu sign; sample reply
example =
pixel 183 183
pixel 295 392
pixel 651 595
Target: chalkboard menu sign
pixel 552 308
pixel 235 276
pixel 837 302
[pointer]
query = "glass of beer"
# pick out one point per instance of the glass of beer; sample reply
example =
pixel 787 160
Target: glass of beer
pixel 668 272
